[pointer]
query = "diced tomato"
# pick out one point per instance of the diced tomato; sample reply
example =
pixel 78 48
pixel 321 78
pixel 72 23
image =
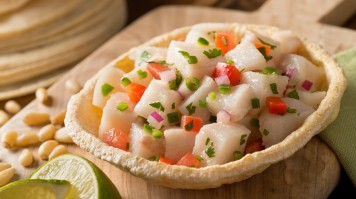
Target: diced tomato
pixel 135 91
pixel 165 160
pixel 276 105
pixel 226 41
pixel 190 123
pixel 189 160
pixel 116 138
pixel 253 146
pixel 231 71
pixel 267 48
pixel 155 68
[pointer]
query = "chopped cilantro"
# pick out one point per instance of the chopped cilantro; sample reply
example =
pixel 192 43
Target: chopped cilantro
pixel 174 84
pixel 173 117
pixel 191 108
pixel 190 58
pixel 212 53
pixel 157 105
pixel 293 94
pixel 243 139
pixel 274 88
pixel 189 126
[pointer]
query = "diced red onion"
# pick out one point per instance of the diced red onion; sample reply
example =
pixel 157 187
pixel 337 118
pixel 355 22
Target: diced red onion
pixel 290 72
pixel 167 75
pixel 307 85
pixel 223 117
pixel 223 79
pixel 157 116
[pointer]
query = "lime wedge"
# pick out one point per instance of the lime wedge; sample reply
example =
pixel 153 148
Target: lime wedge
pixel 88 180
pixel 36 189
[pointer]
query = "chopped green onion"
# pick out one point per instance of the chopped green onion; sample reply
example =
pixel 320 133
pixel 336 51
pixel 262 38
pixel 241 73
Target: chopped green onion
pixel 274 88
pixel 203 103
pixel 174 84
pixel 255 122
pixel 212 95
pixel 243 139
pixel 265 132
pixel 212 119
pixel 263 52
pixel 127 146
pixel 173 117
pixel 191 108
pixel 193 84
pixel 291 110
pixel 210 151
pixel 154 158
pixel 148 128
pixel 142 74
pixel 157 133
pixel 199 158
pixel 203 41
pixel 173 106
pixel 106 89
pixel 157 105
pixel 269 70
pixel 225 89
pixel 190 59
pixel 162 62
pixel 145 55
pixel 230 61
pixel 122 106
pixel 255 102
pixel 293 94
pixel 265 43
pixel 207 141
pixel 238 155
pixel 212 53
pixel 189 126
pixel 224 40
pixel 125 81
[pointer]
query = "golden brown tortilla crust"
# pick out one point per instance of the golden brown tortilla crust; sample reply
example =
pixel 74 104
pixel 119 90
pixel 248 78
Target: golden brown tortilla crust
pixel 83 124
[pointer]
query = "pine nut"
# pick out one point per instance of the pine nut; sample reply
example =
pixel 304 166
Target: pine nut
pixel 35 119
pixel 47 132
pixel 62 136
pixel 59 150
pixel 4 166
pixel 42 95
pixel 4 117
pixel 27 139
pixel 46 149
pixel 8 139
pixel 72 86
pixel 26 158
pixel 59 118
pixel 6 175
pixel 12 107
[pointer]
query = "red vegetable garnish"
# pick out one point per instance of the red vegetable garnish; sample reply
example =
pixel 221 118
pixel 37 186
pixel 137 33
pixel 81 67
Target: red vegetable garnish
pixel 307 85
pixel 253 146
pixel 116 138
pixel 267 48
pixel 135 91
pixel 226 41
pixel 189 160
pixel 165 160
pixel 276 105
pixel 190 123
pixel 231 71
pixel 155 69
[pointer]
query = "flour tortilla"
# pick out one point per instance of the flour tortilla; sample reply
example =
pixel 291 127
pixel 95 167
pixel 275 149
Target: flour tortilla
pixel 7 6
pixel 22 66
pixel 35 14
pixel 82 123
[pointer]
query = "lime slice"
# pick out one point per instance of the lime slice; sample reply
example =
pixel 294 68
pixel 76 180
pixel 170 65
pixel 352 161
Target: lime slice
pixel 89 181
pixel 37 188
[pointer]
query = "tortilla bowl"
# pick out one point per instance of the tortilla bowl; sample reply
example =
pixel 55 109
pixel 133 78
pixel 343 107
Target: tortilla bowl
pixel 83 119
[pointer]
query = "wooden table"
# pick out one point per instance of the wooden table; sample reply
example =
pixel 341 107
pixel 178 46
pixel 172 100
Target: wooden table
pixel 312 172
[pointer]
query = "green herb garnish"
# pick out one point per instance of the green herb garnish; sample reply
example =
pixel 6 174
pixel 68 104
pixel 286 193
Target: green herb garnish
pixel 142 74
pixel 291 110
pixel 157 105
pixel 224 89
pixel 230 61
pixel 255 102
pixel 238 155
pixel 191 108
pixel 157 133
pixel 203 103
pixel 212 95
pixel 268 44
pixel 193 84
pixel 190 58
pixel 255 122
pixel 263 52
pixel 243 139
pixel 210 151
pixel 293 94
pixel 106 89
pixel 189 126
pixel 274 88
pixel 265 132
pixel 148 128
pixel 174 84
pixel 269 70
pixel 212 53
pixel 125 81
pixel 207 141
pixel 122 106
pixel 203 41
pixel 173 117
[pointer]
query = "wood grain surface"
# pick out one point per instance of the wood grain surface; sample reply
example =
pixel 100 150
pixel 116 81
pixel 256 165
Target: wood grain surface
pixel 312 172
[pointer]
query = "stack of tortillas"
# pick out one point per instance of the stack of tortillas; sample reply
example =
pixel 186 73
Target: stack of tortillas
pixel 42 39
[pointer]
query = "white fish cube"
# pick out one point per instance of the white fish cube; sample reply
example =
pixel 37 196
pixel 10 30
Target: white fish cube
pixel 143 144
pixel 217 142
pixel 246 56
pixel 289 42
pixel 108 77
pixel 237 103
pixel 203 66
pixel 207 85
pixel 114 118
pixel 148 54
pixel 300 70
pixel 158 91
pixel 275 128
pixel 312 99
pixel 178 143
pixel 138 75
pixel 206 31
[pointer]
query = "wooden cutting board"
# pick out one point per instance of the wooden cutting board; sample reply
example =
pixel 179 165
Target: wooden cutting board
pixel 312 172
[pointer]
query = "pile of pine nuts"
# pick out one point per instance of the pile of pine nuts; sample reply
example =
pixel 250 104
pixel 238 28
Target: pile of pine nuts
pixel 49 136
